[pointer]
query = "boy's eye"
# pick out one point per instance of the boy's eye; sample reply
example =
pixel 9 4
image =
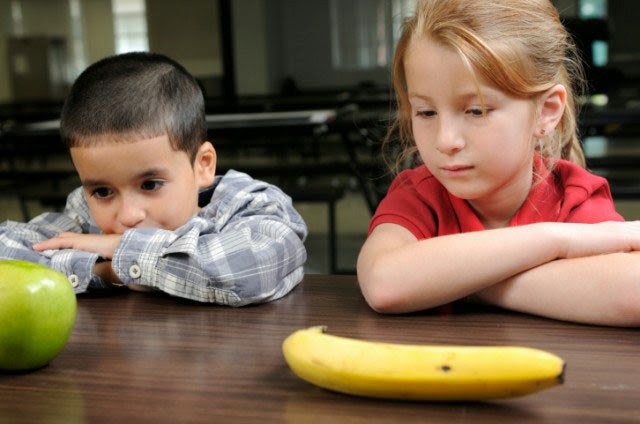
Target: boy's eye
pixel 101 192
pixel 151 185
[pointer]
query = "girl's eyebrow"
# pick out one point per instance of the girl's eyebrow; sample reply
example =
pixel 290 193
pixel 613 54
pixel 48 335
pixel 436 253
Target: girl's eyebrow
pixel 486 95
pixel 419 96
pixel 463 98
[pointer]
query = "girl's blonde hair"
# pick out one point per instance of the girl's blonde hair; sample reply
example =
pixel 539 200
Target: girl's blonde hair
pixel 519 46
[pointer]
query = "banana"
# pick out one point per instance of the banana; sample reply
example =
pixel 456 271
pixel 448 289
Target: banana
pixel 419 372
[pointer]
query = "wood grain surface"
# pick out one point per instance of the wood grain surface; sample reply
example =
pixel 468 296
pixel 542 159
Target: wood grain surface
pixel 142 357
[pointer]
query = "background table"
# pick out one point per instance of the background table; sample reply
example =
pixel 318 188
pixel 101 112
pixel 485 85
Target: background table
pixel 140 357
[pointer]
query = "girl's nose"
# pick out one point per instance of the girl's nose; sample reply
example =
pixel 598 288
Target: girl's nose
pixel 448 139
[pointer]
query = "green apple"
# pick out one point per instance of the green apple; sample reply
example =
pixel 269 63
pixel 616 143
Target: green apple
pixel 37 313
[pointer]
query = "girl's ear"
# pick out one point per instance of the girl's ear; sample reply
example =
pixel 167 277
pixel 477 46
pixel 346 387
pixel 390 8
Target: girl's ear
pixel 204 166
pixel 551 108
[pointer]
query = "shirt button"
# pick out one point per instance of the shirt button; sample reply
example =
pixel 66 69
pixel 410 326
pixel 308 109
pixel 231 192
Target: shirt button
pixel 135 271
pixel 74 280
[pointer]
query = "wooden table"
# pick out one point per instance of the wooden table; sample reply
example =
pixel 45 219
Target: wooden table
pixel 140 357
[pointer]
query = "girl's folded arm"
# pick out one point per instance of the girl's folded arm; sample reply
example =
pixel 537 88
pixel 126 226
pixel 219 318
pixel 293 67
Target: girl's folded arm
pixel 599 289
pixel 398 273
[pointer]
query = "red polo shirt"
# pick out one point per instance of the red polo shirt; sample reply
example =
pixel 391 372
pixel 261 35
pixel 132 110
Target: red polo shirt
pixel 419 203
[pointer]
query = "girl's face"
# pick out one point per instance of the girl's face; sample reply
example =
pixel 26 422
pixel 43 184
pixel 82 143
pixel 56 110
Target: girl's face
pixel 142 184
pixel 486 159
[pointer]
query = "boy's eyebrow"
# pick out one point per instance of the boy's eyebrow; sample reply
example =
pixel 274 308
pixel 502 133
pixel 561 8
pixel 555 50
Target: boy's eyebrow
pixel 151 172
pixel 92 183
pixel 147 173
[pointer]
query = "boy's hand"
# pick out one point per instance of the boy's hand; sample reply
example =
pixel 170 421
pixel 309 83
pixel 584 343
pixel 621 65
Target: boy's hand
pixel 102 244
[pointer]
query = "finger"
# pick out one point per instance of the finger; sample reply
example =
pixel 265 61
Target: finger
pixel 55 243
pixel 67 234
pixel 45 245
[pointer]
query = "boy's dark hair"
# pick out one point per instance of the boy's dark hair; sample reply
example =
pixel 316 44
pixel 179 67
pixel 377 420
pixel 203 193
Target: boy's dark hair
pixel 135 95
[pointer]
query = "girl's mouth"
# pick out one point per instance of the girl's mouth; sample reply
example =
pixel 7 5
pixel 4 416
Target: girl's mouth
pixel 456 169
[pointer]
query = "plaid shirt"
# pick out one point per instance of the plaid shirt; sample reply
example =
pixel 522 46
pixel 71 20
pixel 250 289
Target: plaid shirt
pixel 245 246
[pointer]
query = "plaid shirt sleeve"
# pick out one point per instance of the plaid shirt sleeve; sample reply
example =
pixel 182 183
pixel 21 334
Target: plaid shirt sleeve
pixel 246 246
pixel 16 239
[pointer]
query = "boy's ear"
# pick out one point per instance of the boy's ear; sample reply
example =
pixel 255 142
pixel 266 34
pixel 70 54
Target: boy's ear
pixel 204 165
pixel 551 108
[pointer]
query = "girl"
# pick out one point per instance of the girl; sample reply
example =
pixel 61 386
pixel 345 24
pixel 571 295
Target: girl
pixel 501 210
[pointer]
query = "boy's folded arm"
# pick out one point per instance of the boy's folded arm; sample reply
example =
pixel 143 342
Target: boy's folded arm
pixel 256 255
pixel 257 261
pixel 17 239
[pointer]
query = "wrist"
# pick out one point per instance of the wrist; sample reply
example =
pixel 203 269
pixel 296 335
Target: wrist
pixel 104 270
pixel 553 237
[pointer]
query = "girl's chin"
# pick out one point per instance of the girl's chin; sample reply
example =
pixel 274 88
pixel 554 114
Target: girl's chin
pixel 464 193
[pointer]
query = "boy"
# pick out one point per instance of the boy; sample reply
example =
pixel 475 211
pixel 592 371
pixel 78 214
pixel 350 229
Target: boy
pixel 151 214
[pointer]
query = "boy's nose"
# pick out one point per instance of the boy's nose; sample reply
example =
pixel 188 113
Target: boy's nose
pixel 130 214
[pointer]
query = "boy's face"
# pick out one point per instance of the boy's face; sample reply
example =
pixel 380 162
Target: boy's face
pixel 142 184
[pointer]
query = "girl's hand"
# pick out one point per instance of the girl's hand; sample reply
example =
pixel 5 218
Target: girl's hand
pixel 579 240
pixel 102 244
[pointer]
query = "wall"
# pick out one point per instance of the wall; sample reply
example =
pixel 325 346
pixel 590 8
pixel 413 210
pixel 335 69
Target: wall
pixel 187 31
pixel 250 46
pixel 97 26
pixel 567 7
pixel 306 48
pixel 5 29
pixel 273 39
pixel 40 17
pixel 303 44
pixel 625 47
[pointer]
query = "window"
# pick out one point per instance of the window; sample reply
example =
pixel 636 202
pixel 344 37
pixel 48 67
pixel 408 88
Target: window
pixel 593 8
pixel 364 32
pixel 130 25
pixel 17 21
pixel 590 9
pixel 78 60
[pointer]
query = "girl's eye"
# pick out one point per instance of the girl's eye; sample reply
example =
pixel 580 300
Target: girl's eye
pixel 101 193
pixel 477 111
pixel 425 113
pixel 151 185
